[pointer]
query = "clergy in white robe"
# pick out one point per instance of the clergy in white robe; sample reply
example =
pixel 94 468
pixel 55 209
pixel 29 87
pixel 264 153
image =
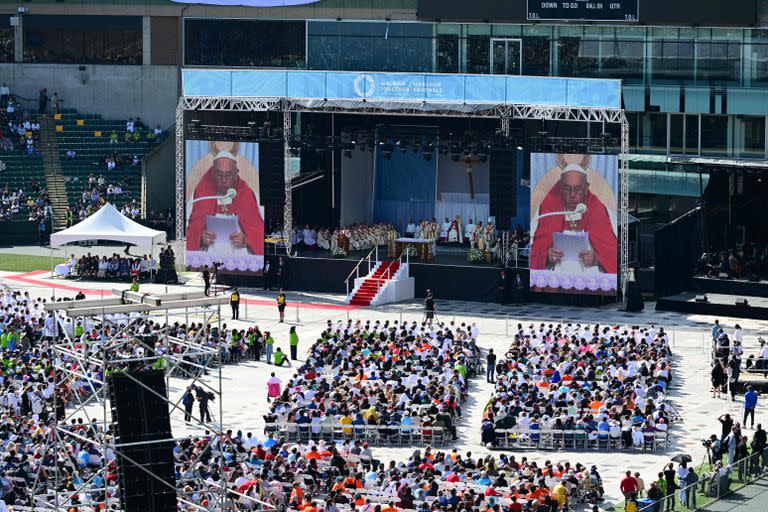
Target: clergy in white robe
pixel 469 230
pixel 444 230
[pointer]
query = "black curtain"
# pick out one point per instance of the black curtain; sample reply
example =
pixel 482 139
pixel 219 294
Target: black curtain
pixel 678 245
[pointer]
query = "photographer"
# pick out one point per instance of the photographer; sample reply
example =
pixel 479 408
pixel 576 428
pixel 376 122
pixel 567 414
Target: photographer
pixel 714 448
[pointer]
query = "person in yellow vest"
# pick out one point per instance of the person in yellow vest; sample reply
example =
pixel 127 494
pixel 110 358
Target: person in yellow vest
pixel 135 285
pixel 281 303
pixel 234 302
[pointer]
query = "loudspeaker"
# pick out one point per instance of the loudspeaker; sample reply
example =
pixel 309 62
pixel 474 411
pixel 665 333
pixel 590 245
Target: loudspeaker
pixel 140 415
pixel 635 300
pixel 503 191
pixel 742 302
pixel 701 298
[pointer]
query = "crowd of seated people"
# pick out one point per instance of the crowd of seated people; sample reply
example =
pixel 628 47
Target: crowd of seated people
pixel 596 381
pixel 136 131
pixel 18 131
pixel 356 237
pixel 381 374
pixel 302 475
pixel 27 409
pixel 20 205
pixel 740 263
pixel 115 267
pixel 313 476
pixel 99 191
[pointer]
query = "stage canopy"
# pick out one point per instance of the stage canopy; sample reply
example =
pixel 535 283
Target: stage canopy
pixel 422 91
pixel 109 224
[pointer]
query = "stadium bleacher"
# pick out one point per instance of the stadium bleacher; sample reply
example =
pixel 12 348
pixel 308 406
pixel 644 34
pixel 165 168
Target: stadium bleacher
pixel 89 137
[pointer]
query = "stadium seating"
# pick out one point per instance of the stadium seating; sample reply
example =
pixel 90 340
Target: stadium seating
pixel 89 137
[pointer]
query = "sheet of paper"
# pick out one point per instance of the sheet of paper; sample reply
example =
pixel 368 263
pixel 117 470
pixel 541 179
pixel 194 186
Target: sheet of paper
pixel 571 244
pixel 222 226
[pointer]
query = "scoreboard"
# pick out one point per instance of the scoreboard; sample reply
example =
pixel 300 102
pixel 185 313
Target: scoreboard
pixel 587 10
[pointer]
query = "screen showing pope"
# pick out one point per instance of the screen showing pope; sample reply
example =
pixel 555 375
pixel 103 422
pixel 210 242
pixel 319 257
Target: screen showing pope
pixel 573 222
pixel 225 223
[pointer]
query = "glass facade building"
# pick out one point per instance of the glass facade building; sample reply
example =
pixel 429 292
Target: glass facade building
pixel 688 91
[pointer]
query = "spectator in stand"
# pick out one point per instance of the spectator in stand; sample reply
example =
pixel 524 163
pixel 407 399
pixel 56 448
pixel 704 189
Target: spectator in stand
pixel 42 103
pixel 5 93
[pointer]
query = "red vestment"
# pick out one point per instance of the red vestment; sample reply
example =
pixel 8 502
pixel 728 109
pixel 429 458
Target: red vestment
pixel 594 221
pixel 244 205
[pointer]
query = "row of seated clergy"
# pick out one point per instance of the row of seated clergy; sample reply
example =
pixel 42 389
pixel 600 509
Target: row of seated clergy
pixel 356 238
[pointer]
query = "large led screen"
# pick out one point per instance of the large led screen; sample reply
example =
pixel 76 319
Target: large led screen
pixel 573 223
pixel 225 222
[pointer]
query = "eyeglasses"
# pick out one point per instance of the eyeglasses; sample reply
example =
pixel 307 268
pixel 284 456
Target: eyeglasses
pixel 574 190
pixel 224 175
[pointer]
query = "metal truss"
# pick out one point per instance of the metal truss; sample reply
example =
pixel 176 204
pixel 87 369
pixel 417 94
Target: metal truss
pixel 624 209
pixel 181 216
pixel 506 113
pixel 288 206
pixel 225 104
pixel 88 360
pixel 555 113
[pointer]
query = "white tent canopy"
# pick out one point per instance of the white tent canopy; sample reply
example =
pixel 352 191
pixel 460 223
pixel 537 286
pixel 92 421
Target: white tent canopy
pixel 109 224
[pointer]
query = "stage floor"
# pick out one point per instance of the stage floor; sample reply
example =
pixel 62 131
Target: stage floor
pixel 446 255
pixel 719 305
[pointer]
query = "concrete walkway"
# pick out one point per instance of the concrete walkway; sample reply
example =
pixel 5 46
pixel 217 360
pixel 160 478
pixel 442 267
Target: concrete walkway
pixel 751 498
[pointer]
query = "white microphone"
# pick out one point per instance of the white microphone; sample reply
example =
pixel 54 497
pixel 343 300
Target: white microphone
pixel 224 200
pixel 572 216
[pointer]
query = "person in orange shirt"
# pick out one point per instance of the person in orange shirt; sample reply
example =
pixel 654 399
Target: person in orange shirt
pixel 338 485
pixel 310 507
pixel 390 507
pixel 297 493
pixel 313 454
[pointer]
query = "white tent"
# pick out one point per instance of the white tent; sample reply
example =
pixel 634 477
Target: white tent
pixel 109 224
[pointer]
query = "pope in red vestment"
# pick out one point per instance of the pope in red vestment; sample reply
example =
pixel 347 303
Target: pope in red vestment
pixel 220 177
pixel 570 191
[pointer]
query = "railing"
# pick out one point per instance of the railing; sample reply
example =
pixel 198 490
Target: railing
pixel 711 485
pixel 356 270
pixel 378 435
pixel 575 439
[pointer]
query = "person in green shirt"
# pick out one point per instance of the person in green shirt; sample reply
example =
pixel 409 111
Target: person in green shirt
pixel 159 363
pixel 79 330
pixel 459 367
pixel 135 285
pixel 269 342
pixel 293 339
pixel 280 357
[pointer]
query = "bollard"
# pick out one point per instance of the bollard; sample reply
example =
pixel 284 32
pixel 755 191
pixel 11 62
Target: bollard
pixel 506 325
pixel 347 314
pixel 246 308
pixel 297 314
pixel 401 318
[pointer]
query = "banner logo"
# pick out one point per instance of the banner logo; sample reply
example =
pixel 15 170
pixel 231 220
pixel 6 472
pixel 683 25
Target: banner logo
pixel 364 85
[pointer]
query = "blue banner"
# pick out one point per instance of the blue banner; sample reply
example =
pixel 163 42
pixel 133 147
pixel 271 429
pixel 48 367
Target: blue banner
pixel 405 87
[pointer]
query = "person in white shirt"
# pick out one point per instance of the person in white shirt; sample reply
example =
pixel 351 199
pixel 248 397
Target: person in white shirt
pixel 469 229
pixel 5 93
pixel 410 229
pixel 444 230
pixel 129 127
